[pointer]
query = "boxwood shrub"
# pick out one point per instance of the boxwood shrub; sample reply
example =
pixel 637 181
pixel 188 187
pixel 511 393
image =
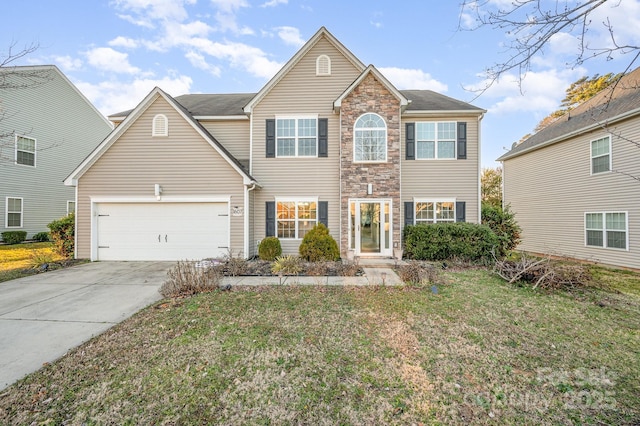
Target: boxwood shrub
pixel 442 241
pixel 318 245
pixel 269 248
pixel 14 237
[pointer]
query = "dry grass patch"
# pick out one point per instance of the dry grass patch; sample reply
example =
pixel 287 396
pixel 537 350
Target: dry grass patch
pixel 479 351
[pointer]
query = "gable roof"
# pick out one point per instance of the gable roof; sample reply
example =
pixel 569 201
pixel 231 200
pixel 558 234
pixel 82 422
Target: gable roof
pixel 381 78
pixel 322 32
pixel 421 101
pixel 71 180
pixel 619 101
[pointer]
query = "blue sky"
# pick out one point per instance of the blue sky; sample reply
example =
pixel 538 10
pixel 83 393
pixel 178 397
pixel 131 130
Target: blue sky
pixel 116 51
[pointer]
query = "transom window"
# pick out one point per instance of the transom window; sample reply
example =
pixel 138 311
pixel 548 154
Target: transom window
pixel 160 125
pixel 370 139
pixel 13 217
pixel 323 65
pixel 606 229
pixel 295 218
pixel 25 151
pixel 601 155
pixel 296 137
pixel 436 140
pixel 435 211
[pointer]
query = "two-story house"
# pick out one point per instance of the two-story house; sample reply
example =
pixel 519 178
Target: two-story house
pixel 575 185
pixel 326 140
pixel 47 127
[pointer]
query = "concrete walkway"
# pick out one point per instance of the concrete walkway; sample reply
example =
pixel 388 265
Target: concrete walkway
pixel 45 315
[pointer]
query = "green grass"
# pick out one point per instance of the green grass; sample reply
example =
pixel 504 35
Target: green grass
pixel 479 351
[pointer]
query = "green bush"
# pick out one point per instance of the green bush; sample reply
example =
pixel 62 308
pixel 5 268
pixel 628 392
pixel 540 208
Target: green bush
pixel 503 224
pixel 63 234
pixel 14 237
pixel 442 241
pixel 318 245
pixel 269 248
pixel 41 237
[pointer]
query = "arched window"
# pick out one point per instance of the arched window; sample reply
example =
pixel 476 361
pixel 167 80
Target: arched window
pixel 370 138
pixel 160 125
pixel 323 65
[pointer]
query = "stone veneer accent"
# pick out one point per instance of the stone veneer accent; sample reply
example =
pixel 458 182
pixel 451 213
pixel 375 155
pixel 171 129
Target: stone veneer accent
pixel 369 96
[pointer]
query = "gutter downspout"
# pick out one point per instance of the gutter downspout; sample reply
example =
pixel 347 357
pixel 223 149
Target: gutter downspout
pixel 247 189
pixel 480 117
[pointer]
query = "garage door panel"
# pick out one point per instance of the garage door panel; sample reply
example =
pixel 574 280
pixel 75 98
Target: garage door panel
pixel 163 231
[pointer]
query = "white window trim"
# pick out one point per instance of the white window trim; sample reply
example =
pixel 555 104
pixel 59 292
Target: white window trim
pixel 6 212
pixel 154 129
pixel 295 200
pixel 296 118
pixel 68 210
pixel 604 230
pixel 35 150
pixel 433 200
pixel 437 158
pixel 318 59
pixel 386 141
pixel 591 157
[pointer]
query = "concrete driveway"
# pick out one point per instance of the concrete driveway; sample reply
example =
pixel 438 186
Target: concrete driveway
pixel 45 315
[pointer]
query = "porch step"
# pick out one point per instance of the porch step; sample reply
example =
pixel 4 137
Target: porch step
pixel 378 262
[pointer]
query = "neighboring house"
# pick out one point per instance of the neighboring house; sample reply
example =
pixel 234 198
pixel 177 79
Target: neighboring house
pixel 46 128
pixel 326 140
pixel 575 185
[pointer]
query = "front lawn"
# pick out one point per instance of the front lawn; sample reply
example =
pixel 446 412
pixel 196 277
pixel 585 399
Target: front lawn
pixel 18 260
pixel 476 351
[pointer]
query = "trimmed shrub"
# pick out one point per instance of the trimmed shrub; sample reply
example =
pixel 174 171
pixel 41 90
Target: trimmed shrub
pixel 14 237
pixel 503 224
pixel 442 241
pixel 63 233
pixel 318 245
pixel 269 248
pixel 41 237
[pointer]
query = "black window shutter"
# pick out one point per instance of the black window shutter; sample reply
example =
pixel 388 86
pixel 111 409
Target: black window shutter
pixel 323 213
pixel 270 228
pixel 408 213
pixel 462 140
pixel 323 136
pixel 271 137
pixel 410 135
pixel 461 211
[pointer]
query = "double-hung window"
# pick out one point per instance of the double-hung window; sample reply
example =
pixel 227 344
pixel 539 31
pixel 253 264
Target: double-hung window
pixel 295 217
pixel 436 140
pixel 606 229
pixel 25 151
pixel 296 137
pixel 601 155
pixel 370 139
pixel 433 211
pixel 13 217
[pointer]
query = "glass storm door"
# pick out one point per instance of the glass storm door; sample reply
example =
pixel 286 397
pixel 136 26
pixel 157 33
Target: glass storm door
pixel 370 229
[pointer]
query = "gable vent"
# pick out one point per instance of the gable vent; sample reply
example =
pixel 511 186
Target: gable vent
pixel 160 126
pixel 323 65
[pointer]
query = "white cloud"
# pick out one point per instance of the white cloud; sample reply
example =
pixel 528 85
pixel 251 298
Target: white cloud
pixel 240 55
pixel 290 35
pixel 273 3
pixel 199 61
pixel 404 78
pixel 108 59
pixel 125 42
pixel 153 10
pixel 111 97
pixel 229 5
pixel 67 63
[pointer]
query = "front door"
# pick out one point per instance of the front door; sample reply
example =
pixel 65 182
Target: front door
pixel 370 227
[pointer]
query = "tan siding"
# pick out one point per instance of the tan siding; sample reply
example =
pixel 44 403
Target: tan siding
pixel 183 163
pixel 302 92
pixel 551 189
pixel 232 134
pixel 457 179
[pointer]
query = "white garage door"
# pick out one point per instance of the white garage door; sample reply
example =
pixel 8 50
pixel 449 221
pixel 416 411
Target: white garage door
pixel 162 231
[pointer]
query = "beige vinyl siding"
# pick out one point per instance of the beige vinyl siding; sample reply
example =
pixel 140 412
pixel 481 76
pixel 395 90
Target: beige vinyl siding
pixel 183 163
pixel 551 189
pixel 232 134
pixel 300 91
pixel 66 129
pixel 435 179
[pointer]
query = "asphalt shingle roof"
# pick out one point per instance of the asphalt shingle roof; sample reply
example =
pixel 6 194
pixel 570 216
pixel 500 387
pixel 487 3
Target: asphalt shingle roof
pixel 611 102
